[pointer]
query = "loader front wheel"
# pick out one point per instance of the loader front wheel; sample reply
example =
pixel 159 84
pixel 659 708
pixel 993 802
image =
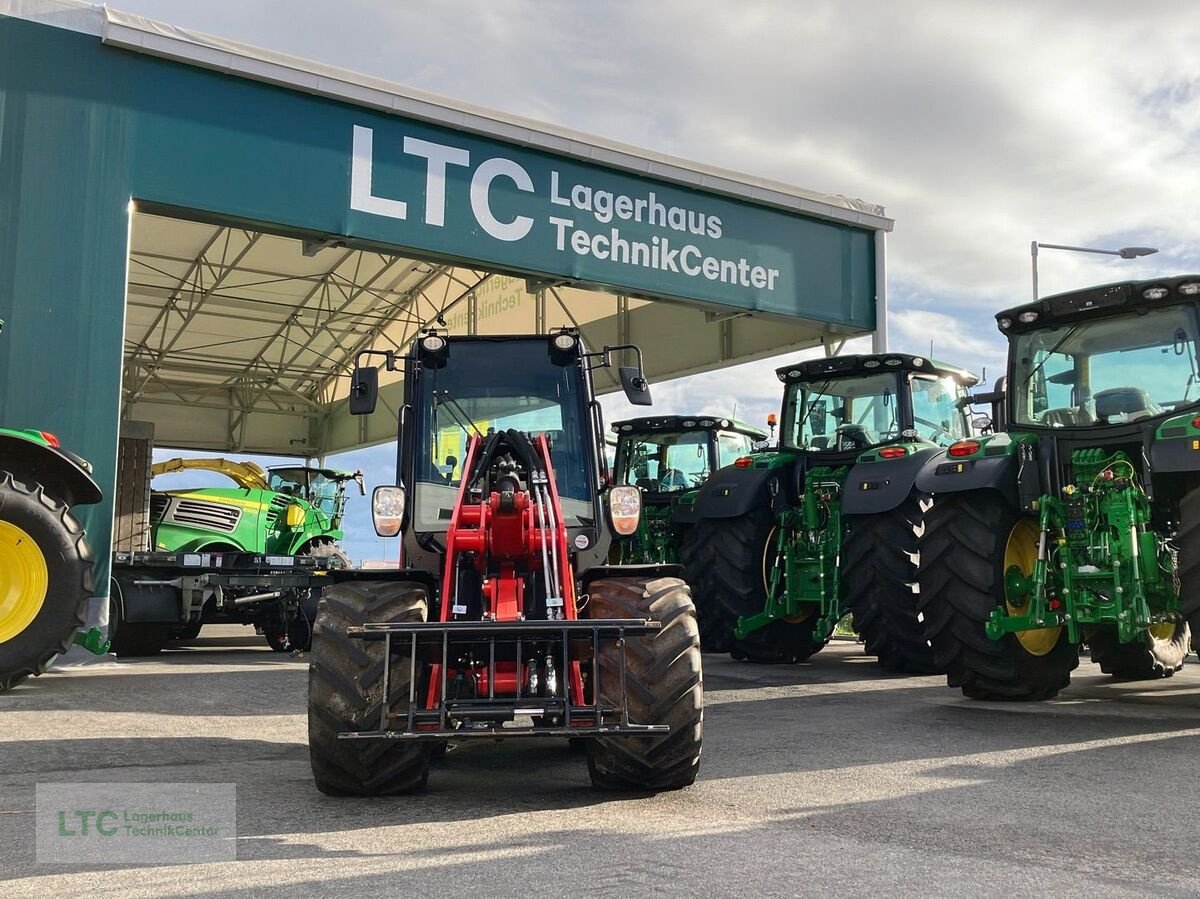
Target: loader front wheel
pixel 878 574
pixel 663 685
pixel 45 579
pixel 970 540
pixel 1159 652
pixel 345 692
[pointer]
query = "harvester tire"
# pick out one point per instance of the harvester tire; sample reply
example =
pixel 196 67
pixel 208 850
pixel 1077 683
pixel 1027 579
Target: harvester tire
pixel 967 538
pixel 345 692
pixel 1188 541
pixel 737 576
pixel 716 624
pixel 663 685
pixel 1147 658
pixel 45 579
pixel 334 555
pixel 879 572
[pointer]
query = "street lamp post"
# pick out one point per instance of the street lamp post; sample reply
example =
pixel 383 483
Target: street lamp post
pixel 1124 253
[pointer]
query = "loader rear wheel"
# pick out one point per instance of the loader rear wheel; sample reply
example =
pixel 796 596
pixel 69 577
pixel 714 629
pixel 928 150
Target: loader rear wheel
pixel 970 540
pixel 1188 541
pixel 45 579
pixel 742 555
pixel 1157 653
pixel 716 624
pixel 663 684
pixel 878 574
pixel 345 692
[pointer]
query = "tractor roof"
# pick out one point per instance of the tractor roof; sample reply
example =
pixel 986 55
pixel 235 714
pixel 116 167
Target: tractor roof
pixel 1104 299
pixel 651 423
pixel 852 366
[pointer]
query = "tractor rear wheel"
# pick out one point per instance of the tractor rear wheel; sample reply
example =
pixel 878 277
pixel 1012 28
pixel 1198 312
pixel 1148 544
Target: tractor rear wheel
pixel 716 624
pixel 970 540
pixel 45 579
pixel 663 685
pixel 1157 653
pixel 879 572
pixel 345 692
pixel 742 555
pixel 1188 541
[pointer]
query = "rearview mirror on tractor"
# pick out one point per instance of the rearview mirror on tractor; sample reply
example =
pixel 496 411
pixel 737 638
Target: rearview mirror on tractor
pixel 637 389
pixel 364 390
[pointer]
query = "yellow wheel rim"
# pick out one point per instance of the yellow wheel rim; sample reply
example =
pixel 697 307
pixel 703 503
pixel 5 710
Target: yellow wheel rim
pixel 1021 551
pixel 767 562
pixel 24 579
pixel 1163 632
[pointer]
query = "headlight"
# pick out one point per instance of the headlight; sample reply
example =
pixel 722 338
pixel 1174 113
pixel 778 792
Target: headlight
pixel 1190 289
pixel 433 344
pixel 564 342
pixel 1027 317
pixel 387 510
pixel 871 363
pixel 1154 293
pixel 1005 324
pixel 625 507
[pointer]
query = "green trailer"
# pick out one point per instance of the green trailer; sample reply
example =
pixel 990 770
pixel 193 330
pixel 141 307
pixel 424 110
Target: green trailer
pixel 791 539
pixel 1079 523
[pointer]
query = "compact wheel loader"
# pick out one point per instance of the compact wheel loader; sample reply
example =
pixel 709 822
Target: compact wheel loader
pixel 505 620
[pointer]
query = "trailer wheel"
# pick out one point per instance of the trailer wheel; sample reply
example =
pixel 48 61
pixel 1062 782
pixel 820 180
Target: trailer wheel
pixel 878 577
pixel 345 692
pixel 742 553
pixel 716 624
pixel 663 684
pixel 45 579
pixel 136 639
pixel 1157 653
pixel 1188 541
pixel 970 539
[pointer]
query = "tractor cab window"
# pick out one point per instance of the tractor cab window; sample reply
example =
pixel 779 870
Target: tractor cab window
pixel 1109 371
pixel 936 417
pixel 731 446
pixel 490 386
pixel 665 461
pixel 310 484
pixel 842 414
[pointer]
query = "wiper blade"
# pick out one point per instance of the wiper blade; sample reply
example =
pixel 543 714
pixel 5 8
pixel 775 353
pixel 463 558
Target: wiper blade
pixel 1054 349
pixel 457 412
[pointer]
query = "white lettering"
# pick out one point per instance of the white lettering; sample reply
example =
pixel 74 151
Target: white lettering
pixel 361 161
pixel 581 243
pixel 689 268
pixel 560 233
pixel 481 184
pixel 437 157
pixel 555 196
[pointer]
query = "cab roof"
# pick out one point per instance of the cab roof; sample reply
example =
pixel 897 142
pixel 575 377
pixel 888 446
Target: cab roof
pixel 855 365
pixel 1104 299
pixel 651 423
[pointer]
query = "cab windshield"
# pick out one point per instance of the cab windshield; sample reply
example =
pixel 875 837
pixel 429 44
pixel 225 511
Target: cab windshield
pixel 843 413
pixel 308 484
pixel 489 386
pixel 1110 371
pixel 664 461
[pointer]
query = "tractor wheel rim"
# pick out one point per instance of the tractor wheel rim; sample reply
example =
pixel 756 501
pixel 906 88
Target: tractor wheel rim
pixel 767 564
pixel 24 580
pixel 1021 550
pixel 1163 632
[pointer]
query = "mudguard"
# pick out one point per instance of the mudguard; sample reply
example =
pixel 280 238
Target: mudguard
pixel 877 485
pixel 57 470
pixel 733 492
pixel 946 474
pixel 1176 445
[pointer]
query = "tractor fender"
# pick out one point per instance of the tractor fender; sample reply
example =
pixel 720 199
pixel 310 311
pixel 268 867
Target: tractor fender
pixel 880 486
pixel 60 472
pixel 1175 455
pixel 944 474
pixel 733 492
pixel 654 570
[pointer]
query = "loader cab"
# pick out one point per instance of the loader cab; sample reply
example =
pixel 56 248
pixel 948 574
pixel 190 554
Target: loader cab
pixel 1104 358
pixel 847 404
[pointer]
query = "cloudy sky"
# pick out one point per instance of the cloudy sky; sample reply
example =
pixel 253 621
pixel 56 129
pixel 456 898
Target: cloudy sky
pixel 979 126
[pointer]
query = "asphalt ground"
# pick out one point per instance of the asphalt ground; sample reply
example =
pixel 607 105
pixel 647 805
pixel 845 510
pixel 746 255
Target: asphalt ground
pixel 827 778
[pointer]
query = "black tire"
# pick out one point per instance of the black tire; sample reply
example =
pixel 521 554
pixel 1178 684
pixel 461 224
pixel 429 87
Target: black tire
pixel 1147 658
pixel 961 577
pixel 737 558
pixel 294 636
pixel 663 682
pixel 136 639
pixel 1188 541
pixel 878 578
pixel 345 692
pixel 716 624
pixel 39 632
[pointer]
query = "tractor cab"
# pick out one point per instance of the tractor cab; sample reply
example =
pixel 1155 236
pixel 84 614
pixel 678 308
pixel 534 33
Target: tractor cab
pixel 324 488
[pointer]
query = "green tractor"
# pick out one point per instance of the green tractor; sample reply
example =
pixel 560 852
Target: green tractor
pixel 1080 523
pixel 791 539
pixel 45 560
pixel 668 457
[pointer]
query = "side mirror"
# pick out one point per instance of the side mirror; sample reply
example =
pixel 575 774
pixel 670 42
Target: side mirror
pixel 364 390
pixel 637 389
pixel 982 423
